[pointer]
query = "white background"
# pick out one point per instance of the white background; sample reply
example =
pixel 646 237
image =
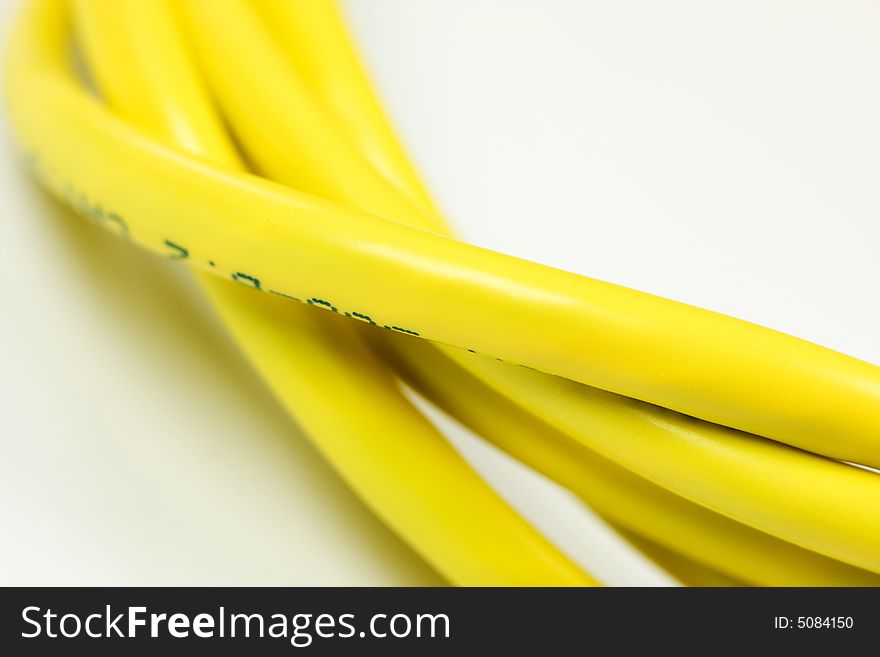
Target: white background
pixel 725 154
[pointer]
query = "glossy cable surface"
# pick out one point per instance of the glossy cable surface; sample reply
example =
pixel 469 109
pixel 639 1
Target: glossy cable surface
pixel 319 129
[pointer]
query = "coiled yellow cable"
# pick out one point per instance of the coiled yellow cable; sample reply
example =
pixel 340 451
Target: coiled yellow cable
pixel 307 118
pixel 625 499
pixel 436 503
pixel 595 332
pixel 315 40
pixel 838 517
pixel 586 330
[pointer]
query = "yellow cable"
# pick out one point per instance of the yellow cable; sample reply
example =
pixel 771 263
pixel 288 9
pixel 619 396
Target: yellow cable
pixel 623 498
pixel 314 362
pixel 417 282
pixel 686 571
pixel 695 361
pixel 306 44
pixel 313 35
pixel 817 503
pixel 314 39
pixel 833 514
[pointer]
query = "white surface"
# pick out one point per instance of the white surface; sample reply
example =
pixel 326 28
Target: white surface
pixel 725 154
